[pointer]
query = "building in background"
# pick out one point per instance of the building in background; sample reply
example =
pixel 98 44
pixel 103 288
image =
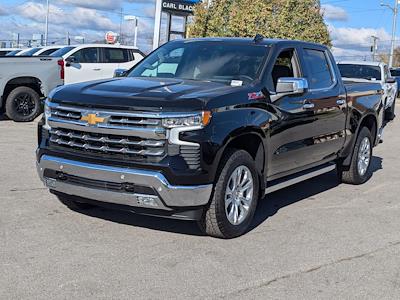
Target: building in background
pixel 171 20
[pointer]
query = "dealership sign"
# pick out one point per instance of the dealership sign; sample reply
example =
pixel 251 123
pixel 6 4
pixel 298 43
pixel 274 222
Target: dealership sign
pixel 185 6
pixel 111 37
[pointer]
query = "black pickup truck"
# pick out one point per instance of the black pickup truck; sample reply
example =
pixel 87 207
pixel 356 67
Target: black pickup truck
pixel 202 129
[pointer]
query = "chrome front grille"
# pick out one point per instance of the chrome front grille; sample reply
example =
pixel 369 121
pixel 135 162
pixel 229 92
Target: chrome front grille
pixel 66 114
pixel 107 132
pixel 134 121
pixel 106 143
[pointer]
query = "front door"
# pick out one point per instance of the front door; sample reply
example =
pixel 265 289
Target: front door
pixel 87 66
pixel 311 127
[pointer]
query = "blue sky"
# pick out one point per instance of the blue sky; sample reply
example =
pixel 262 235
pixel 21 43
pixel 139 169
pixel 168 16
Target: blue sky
pixel 351 22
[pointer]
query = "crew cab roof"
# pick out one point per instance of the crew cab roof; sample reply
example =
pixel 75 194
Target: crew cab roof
pixel 264 41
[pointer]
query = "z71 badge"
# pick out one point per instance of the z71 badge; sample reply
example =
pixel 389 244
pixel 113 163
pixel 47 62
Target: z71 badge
pixel 256 95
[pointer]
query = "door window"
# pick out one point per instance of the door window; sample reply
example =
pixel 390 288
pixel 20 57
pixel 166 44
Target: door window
pixel 285 66
pixel 116 55
pixel 87 56
pixel 320 73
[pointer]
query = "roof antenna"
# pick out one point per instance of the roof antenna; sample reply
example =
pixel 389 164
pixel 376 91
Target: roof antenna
pixel 258 38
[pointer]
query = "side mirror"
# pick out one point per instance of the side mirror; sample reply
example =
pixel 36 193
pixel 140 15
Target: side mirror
pixel 70 60
pixel 120 73
pixel 291 86
pixel 390 80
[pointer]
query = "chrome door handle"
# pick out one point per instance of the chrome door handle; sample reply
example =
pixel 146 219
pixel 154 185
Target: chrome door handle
pixel 341 102
pixel 308 105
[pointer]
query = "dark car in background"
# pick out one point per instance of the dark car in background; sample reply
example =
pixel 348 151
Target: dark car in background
pixel 395 72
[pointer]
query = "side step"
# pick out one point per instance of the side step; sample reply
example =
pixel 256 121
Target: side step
pixel 281 184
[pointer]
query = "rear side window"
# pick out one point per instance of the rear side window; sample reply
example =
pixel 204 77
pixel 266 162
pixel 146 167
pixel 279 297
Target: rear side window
pixel 320 73
pixel 136 55
pixel 395 72
pixel 116 55
pixel 62 51
pixel 87 55
pixel 47 52
pixel 360 71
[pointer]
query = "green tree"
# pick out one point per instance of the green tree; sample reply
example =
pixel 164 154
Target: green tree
pixel 384 57
pixel 288 19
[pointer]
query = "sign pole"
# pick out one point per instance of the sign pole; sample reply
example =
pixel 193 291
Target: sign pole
pixel 157 24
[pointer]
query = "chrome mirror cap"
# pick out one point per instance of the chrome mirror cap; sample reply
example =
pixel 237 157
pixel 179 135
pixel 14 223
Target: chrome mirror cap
pixel 291 86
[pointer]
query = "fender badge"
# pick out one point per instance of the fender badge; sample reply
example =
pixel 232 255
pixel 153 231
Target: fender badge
pixel 256 95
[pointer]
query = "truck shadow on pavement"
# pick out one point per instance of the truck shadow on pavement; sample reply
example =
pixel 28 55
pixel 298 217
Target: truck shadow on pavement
pixel 267 207
pixel 3 117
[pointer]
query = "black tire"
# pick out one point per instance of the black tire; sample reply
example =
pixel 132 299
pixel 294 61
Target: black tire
pixel 390 112
pixel 23 104
pixel 214 221
pixel 352 174
pixel 73 204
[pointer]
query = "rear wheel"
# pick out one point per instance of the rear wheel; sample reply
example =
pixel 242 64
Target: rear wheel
pixel 23 104
pixel 73 204
pixel 359 170
pixel 389 113
pixel 234 199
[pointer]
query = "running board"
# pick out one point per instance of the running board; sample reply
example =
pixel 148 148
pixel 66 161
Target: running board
pixel 292 181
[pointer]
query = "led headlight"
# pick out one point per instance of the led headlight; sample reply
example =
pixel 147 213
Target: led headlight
pixel 47 115
pixel 188 122
pixel 196 120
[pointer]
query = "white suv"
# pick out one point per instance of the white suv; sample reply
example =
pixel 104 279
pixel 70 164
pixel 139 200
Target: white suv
pixel 95 61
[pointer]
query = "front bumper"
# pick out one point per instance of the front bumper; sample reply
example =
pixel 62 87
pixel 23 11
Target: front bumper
pixel 125 186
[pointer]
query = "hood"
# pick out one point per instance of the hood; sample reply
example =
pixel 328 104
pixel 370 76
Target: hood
pixel 153 94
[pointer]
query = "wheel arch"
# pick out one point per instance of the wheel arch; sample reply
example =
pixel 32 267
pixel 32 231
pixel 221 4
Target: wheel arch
pixel 28 81
pixel 369 121
pixel 250 140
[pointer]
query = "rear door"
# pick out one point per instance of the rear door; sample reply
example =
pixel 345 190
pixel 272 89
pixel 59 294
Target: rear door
pixel 310 129
pixel 113 58
pixel 134 58
pixel 87 66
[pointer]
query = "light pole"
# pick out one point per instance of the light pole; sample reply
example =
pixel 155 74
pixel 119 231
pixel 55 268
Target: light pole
pixel 395 11
pixel 133 18
pixel 157 24
pixel 374 47
pixel 46 32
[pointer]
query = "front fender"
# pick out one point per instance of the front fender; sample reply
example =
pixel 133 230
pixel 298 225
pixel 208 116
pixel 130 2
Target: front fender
pixel 230 125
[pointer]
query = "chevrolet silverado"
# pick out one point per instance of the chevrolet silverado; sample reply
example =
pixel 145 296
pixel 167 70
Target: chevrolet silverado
pixel 202 129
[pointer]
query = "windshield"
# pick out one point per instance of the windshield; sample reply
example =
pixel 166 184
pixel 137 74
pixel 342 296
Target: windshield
pixel 228 63
pixel 395 72
pixel 61 52
pixel 30 52
pixel 12 53
pixel 360 71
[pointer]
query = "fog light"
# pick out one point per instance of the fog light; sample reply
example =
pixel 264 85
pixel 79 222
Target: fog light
pixel 51 182
pixel 147 200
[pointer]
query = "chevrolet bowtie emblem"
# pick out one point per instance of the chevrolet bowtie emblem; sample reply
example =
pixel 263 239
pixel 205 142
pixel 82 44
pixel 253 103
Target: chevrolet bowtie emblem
pixel 92 119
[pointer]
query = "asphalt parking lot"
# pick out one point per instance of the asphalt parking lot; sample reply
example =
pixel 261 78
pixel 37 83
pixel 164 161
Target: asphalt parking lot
pixel 317 239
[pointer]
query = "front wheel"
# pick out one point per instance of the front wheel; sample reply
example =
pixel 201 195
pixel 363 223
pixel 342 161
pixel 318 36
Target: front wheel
pixel 234 199
pixel 23 104
pixel 360 166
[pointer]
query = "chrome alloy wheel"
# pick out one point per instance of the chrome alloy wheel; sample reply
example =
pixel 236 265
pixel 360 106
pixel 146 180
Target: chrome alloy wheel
pixel 364 156
pixel 239 195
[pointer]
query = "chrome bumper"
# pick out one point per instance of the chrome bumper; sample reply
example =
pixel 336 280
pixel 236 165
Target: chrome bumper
pixel 166 197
